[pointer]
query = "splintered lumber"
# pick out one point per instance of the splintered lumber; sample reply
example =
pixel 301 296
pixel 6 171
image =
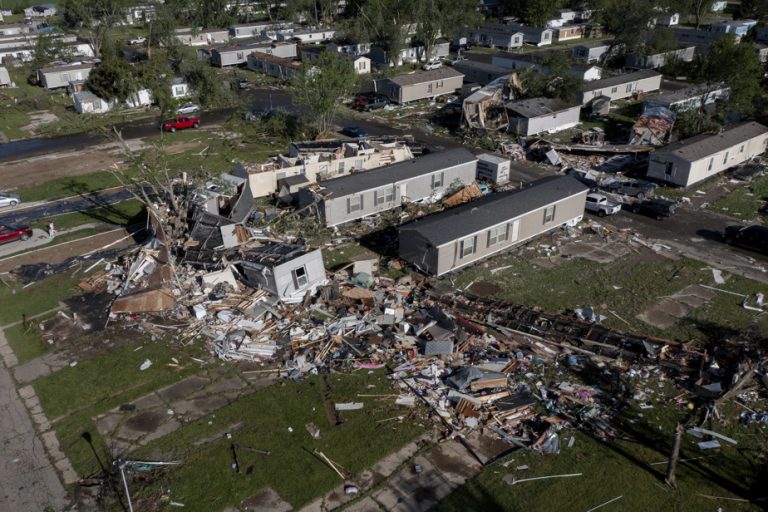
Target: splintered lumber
pixel 569 475
pixel 617 498
pixel 673 459
pixel 335 467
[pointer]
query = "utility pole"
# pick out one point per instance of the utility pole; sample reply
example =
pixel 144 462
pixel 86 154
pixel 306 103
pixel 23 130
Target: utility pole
pixel 121 466
pixel 675 456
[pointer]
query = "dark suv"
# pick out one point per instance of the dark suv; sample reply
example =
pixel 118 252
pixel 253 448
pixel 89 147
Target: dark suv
pixel 656 208
pixel 752 237
pixel 638 189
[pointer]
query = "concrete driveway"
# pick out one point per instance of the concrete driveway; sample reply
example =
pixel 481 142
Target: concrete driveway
pixel 39 237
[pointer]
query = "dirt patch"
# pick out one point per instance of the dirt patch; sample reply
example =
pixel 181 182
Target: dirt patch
pixel 38 119
pixel 266 500
pixel 59 253
pixel 182 147
pixel 669 310
pixel 27 173
pixel 484 289
pixel 146 421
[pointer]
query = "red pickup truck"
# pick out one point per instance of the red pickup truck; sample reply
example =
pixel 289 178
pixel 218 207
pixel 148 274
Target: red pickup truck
pixel 181 123
pixel 11 233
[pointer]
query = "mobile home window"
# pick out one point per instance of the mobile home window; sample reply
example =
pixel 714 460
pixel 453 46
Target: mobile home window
pixel 497 235
pixel 549 214
pixel 429 87
pixel 300 278
pixel 354 203
pixel 725 158
pixel 711 161
pixel 614 89
pixel 468 246
pixel 629 87
pixel 384 195
pixel 741 149
pixel 340 168
pixel 437 180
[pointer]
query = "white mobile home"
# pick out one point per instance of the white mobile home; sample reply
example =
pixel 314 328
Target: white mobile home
pixel 55 77
pixel 538 115
pixel 693 160
pixel 622 86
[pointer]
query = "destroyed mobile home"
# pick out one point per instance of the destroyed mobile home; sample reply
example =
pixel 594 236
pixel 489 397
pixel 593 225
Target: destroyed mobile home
pixel 474 363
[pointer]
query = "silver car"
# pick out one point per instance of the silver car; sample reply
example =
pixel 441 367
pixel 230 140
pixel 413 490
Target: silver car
pixel 187 108
pixel 9 200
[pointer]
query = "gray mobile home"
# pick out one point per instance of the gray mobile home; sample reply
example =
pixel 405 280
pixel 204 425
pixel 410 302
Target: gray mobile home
pixel 237 55
pixel 456 237
pixel 285 270
pixel 55 77
pixel 537 115
pixel 367 193
pixel 421 85
pixel 693 160
pixel 622 86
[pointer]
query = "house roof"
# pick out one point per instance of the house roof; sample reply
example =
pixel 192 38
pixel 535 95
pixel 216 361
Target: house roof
pixel 68 67
pixel 245 44
pixel 491 210
pixel 86 96
pixel 420 77
pixel 274 254
pixel 687 93
pixel 620 79
pixel 367 180
pixel 704 145
pixel 484 67
pixel 535 107
pixel 298 179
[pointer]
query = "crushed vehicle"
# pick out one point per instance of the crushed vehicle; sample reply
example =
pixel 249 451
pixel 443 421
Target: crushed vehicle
pixel 599 204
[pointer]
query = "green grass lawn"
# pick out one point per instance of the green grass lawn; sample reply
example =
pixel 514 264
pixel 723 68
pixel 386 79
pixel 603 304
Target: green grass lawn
pixel 34 299
pixel 73 396
pixel 11 122
pixel 627 286
pixel 27 344
pixel 126 212
pixel 745 201
pixel 69 186
pixel 292 470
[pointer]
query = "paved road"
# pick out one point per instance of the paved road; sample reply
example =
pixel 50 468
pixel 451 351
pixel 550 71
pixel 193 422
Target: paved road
pixel 78 203
pixel 29 480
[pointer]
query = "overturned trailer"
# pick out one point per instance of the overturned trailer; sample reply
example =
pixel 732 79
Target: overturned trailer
pixel 486 108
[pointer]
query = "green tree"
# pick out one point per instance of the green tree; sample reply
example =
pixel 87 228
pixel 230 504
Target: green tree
pixel 627 20
pixel 208 85
pixel 93 19
pixel 534 12
pixel 753 9
pixel 435 18
pixel 739 67
pixel 384 22
pixel 46 50
pixel 317 87
pixel 214 13
pixel 698 8
pixel 112 79
pixel 663 40
pixel 693 122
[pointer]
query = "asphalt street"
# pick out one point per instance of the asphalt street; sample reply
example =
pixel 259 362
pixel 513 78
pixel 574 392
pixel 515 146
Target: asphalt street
pixel 22 215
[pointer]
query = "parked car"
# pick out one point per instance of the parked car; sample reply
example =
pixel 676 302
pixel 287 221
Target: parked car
pixel 751 237
pixel 181 123
pixel 371 102
pixel 242 83
pixel 656 208
pixel 433 64
pixel 9 200
pixel 13 233
pixel 599 204
pixel 456 60
pixel 138 40
pixel 187 108
pixel 354 131
pixel 634 188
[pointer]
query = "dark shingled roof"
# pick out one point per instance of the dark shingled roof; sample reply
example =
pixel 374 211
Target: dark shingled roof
pixel 367 180
pixel 493 209
pixel 620 79
pixel 704 145
pixel 420 77
pixel 535 107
